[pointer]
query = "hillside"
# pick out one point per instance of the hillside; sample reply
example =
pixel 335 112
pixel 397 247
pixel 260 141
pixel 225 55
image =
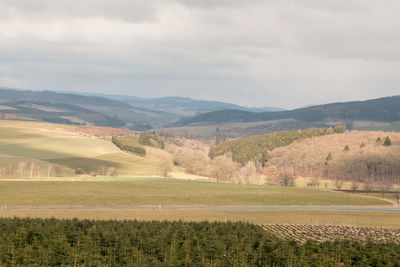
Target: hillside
pixel 381 109
pixel 75 109
pixel 103 110
pixel 37 150
pixel 256 148
pixel 385 111
pixel 183 106
pixel 366 159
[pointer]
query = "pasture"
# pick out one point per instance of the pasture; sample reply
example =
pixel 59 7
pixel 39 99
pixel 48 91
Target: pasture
pixel 160 191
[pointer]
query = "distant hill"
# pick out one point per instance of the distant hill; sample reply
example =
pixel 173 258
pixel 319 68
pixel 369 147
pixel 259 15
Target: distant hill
pixel 181 106
pixel 103 110
pixel 60 108
pixel 385 109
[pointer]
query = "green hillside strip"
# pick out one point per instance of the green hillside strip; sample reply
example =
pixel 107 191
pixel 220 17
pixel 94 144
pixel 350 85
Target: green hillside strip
pixel 168 192
pixel 255 147
pixel 58 147
pixel 130 144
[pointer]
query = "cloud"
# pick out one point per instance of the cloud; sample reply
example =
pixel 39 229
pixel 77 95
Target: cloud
pixel 275 52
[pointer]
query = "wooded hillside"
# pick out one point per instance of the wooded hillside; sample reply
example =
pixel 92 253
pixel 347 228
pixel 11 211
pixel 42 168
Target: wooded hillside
pixel 382 109
pixel 357 156
pixel 257 147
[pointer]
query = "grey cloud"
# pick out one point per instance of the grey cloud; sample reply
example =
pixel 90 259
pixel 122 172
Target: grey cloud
pixel 275 52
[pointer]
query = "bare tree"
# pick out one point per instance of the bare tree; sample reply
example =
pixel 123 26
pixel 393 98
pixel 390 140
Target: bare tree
pixel 103 170
pixel 248 172
pixel 112 171
pixel 32 168
pixel 49 168
pixel 223 168
pixel 286 177
pixel 165 166
pixel 338 183
pixel 21 167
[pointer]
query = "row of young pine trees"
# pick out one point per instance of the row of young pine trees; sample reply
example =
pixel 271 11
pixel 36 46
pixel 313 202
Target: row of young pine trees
pixel 52 242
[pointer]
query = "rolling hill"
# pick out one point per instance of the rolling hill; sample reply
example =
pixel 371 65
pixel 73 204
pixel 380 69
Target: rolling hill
pixel 183 106
pixel 382 109
pixel 375 114
pixel 30 149
pixel 103 110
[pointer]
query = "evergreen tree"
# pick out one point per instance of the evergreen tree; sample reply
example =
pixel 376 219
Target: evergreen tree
pixel 387 141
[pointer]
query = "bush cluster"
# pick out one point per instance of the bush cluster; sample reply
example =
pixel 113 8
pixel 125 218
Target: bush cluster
pixel 129 144
pixel 151 140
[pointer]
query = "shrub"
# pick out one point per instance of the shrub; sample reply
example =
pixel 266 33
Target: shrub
pixel 129 144
pixel 329 157
pixel 387 141
pixel 286 178
pixel 79 171
pixel 151 140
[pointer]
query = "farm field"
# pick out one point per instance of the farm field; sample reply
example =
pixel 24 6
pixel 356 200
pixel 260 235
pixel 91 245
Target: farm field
pixel 159 191
pixel 323 233
pixel 377 126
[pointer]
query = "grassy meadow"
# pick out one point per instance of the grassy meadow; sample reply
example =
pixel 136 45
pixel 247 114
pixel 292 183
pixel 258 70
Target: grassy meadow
pixel 159 191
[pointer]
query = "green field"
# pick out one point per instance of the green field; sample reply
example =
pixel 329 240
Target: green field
pixel 42 142
pixel 323 184
pixel 158 191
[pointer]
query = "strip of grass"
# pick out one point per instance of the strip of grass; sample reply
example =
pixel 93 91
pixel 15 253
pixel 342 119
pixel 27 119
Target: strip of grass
pixel 354 218
pixel 167 192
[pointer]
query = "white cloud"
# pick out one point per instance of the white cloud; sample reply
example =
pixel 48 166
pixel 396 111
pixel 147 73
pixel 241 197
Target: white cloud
pixel 274 52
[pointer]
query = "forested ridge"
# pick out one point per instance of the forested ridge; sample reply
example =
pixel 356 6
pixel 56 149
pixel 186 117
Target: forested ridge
pixel 256 147
pixel 382 109
pixel 52 242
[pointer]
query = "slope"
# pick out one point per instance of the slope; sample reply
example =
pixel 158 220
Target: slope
pixel 385 109
pixel 56 144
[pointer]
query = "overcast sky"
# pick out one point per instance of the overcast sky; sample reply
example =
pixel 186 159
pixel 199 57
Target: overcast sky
pixel 286 53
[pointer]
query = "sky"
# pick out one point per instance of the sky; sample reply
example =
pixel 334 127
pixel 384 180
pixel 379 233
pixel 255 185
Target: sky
pixel 285 53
